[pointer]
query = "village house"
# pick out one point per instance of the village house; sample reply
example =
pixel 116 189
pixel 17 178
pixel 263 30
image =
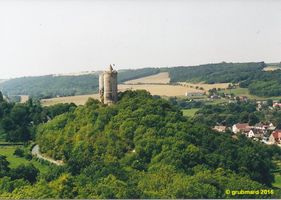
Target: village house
pixel 275 137
pixel 271 127
pixel 255 133
pixel 277 105
pixel 241 128
pixel 220 128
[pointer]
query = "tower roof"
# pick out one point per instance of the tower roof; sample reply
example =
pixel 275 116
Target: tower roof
pixel 110 68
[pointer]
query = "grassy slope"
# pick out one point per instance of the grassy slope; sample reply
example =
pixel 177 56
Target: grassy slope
pixel 15 161
pixel 245 92
pixel 277 176
pixel 190 112
pixel 277 181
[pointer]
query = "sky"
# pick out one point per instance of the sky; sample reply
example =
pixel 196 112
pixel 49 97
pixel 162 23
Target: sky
pixel 39 37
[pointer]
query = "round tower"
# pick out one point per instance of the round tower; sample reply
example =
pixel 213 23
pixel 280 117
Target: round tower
pixel 109 85
pixel 101 87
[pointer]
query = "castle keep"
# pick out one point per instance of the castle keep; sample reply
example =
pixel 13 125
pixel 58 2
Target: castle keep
pixel 108 86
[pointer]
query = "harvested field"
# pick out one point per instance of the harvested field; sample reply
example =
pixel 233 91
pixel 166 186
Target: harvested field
pixel 161 90
pixel 271 68
pixel 24 98
pixel 205 86
pixel 154 89
pixel 161 78
pixel 78 100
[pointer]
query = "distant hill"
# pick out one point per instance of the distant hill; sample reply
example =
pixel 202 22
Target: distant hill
pixel 249 75
pixel 64 85
pixel 216 73
pixel 50 86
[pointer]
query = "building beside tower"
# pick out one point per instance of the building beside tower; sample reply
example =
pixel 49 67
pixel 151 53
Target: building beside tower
pixel 108 86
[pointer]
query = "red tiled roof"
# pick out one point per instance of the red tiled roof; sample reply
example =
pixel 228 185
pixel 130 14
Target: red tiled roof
pixel 277 134
pixel 243 127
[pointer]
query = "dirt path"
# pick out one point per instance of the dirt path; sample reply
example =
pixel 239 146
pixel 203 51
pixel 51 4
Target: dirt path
pixel 36 152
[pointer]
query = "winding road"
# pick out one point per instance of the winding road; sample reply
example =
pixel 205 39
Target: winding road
pixel 36 152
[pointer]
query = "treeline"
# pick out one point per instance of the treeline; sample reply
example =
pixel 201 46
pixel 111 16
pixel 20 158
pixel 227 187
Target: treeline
pixel 18 121
pixel 264 83
pixel 53 86
pixel 143 147
pixel 247 75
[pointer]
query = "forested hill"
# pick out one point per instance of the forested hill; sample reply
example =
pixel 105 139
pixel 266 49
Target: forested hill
pixel 216 73
pixel 143 147
pixel 247 75
pixel 52 86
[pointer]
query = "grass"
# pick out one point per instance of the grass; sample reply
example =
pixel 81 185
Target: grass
pixel 245 92
pixel 277 175
pixel 277 180
pixel 190 112
pixel 217 101
pixel 15 161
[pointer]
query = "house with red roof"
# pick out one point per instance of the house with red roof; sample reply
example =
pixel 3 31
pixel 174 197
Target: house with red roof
pixel 275 137
pixel 241 128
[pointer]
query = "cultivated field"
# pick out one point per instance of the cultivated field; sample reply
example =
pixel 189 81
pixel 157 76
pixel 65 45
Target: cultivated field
pixel 156 84
pixel 78 100
pixel 271 68
pixel 205 86
pixel 24 98
pixel 161 78
pixel 161 90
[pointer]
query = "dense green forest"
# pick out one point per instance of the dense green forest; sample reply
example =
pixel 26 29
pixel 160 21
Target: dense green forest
pixel 142 147
pixel 18 121
pixel 52 86
pixel 215 73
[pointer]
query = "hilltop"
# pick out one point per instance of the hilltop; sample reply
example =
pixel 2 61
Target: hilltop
pixel 143 147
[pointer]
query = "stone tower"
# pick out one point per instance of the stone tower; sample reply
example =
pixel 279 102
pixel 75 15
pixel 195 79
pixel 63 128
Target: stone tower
pixel 108 86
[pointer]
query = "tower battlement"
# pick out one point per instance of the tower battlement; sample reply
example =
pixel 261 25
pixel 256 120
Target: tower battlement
pixel 108 86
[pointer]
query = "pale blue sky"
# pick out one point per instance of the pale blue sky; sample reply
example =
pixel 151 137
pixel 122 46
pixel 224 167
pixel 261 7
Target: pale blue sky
pixel 40 37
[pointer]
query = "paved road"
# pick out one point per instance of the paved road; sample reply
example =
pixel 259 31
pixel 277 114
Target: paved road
pixel 36 152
